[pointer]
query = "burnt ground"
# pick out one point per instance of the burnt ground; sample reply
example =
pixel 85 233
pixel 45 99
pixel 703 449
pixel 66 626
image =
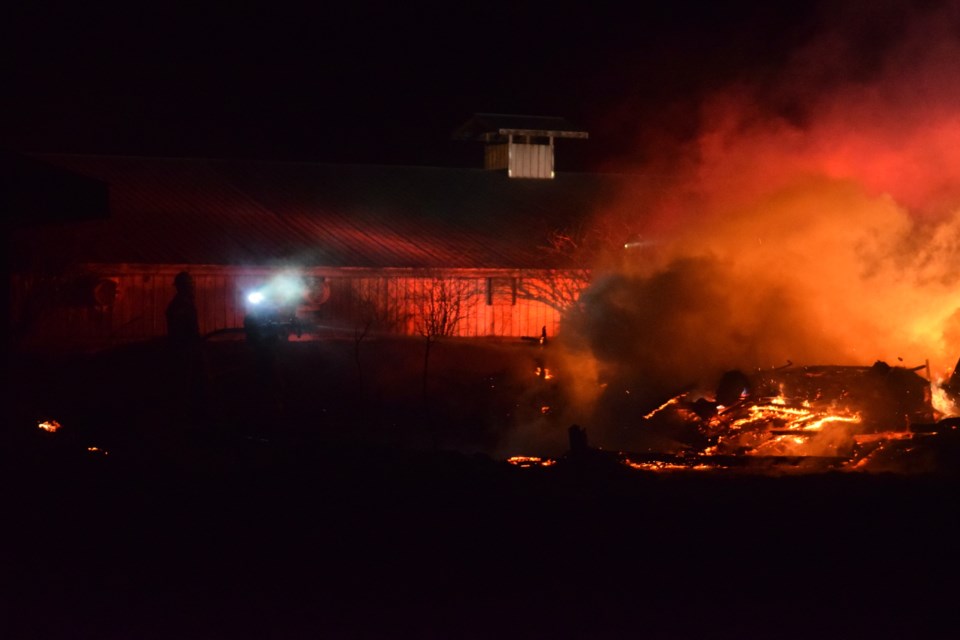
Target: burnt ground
pixel 143 395
pixel 294 513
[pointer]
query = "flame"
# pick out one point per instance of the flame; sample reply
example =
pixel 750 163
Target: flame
pixel 942 402
pixel 775 426
pixel 98 450
pixel 790 418
pixel 50 426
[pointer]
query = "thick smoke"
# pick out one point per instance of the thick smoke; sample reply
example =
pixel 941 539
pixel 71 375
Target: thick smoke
pixel 813 219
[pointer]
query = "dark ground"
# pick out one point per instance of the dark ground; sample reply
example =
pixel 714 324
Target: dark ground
pixel 237 526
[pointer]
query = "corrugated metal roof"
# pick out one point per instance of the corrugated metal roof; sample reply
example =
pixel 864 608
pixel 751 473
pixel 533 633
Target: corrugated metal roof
pixel 201 211
pixel 484 125
pixel 33 192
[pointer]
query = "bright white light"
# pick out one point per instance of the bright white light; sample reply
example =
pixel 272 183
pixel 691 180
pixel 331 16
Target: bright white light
pixel 283 290
pixel 287 287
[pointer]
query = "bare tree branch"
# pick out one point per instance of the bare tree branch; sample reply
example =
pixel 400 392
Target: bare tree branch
pixel 441 304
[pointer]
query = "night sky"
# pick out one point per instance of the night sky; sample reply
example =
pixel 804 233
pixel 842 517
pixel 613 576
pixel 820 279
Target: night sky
pixel 377 82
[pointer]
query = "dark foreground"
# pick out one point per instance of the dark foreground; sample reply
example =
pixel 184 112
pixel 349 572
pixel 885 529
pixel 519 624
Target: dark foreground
pixel 341 519
pixel 351 542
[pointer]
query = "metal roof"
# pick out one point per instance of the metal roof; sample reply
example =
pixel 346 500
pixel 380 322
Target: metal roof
pixel 487 126
pixel 229 212
pixel 34 192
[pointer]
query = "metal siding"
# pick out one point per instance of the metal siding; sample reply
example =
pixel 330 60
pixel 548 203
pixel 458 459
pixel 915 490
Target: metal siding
pixel 156 291
pixel 531 160
pixel 478 308
pixel 146 290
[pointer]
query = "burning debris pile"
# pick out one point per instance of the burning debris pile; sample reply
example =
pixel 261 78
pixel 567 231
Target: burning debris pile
pixel 878 417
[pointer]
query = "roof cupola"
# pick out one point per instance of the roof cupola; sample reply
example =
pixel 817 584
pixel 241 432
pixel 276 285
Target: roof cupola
pixel 523 145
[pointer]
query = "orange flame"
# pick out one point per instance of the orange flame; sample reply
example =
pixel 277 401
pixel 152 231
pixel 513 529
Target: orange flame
pixel 941 400
pixel 50 426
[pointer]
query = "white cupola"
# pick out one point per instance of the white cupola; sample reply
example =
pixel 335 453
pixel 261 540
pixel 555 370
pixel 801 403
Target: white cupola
pixel 523 145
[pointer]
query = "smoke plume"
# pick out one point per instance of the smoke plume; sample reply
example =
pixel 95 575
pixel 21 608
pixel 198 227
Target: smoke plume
pixel 814 218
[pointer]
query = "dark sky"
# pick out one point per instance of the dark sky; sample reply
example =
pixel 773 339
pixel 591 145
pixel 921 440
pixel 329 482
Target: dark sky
pixel 380 82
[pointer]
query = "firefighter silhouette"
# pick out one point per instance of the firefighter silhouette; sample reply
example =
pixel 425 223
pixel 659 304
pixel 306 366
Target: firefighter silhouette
pixel 185 356
pixel 183 326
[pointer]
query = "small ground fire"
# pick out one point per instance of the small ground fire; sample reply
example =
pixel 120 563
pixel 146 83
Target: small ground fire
pixel 50 426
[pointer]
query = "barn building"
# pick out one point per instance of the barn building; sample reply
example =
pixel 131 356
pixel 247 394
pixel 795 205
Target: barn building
pixel 383 248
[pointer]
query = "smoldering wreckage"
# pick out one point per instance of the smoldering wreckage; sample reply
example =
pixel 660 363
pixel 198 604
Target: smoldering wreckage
pixel 878 418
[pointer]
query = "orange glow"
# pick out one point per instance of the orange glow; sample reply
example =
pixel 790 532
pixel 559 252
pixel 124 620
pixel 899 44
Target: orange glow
pixel 50 426
pixel 543 372
pixel 530 461
pixel 98 450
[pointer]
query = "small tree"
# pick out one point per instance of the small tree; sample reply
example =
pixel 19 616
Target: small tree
pixel 561 288
pixel 373 314
pixel 439 308
pixel 580 250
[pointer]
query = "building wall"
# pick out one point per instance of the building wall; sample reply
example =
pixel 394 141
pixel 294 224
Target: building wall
pixel 60 312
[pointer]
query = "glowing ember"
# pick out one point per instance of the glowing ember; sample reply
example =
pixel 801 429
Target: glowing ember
pixel 98 450
pixel 50 426
pixel 530 461
pixel 661 465
pixel 666 404
pixel 544 373
pixel 867 438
